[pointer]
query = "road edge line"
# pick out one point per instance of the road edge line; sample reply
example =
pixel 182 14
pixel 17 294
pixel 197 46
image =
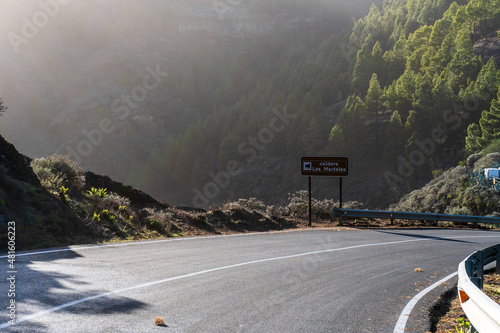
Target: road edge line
pixel 403 317
pixel 210 270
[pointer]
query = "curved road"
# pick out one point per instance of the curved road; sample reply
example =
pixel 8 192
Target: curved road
pixel 301 281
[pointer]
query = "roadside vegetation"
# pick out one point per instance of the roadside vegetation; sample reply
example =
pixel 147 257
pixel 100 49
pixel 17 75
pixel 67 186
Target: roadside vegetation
pixel 407 93
pixel 131 214
pixel 93 208
pixel 56 203
pixel 463 190
pixel 455 320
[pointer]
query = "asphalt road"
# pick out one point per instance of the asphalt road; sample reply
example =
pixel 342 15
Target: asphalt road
pixel 304 281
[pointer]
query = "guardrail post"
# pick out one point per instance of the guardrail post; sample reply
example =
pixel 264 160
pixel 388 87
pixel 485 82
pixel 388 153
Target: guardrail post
pixel 469 268
pixel 497 270
pixel 480 268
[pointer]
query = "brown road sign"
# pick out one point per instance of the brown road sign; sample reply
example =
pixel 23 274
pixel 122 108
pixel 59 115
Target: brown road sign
pixel 324 166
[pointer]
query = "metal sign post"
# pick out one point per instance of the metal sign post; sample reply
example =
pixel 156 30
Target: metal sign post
pixel 324 166
pixel 310 203
pixel 340 194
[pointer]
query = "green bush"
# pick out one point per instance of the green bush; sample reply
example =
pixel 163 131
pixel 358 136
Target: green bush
pixel 299 205
pixel 97 217
pixel 104 215
pixel 252 204
pixel 114 201
pixel 108 216
pixel 436 173
pixel 456 210
pixel 156 226
pixel 57 170
pixel 63 194
pixel 277 211
pixel 493 147
pixel 481 201
pixel 160 221
pixel 463 326
pixel 97 193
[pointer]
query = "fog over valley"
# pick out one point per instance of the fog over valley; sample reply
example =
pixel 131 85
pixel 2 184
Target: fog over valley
pixel 200 102
pixel 108 82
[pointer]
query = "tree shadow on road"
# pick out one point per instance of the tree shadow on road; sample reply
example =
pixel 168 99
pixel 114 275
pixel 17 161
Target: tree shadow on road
pixel 40 293
pixel 423 236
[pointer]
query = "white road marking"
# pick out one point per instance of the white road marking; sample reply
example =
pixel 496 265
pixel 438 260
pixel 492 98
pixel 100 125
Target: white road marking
pixel 403 318
pixel 89 247
pixel 179 277
pixel 66 305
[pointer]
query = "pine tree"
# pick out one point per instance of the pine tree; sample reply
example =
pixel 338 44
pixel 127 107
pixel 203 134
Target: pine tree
pixel 352 121
pixel 472 144
pixel 442 92
pixel 312 139
pixel 473 12
pixel 440 30
pixel 396 59
pixel 444 54
pixel 395 135
pixel 403 91
pixel 488 80
pixel 378 62
pixel 490 124
pixel 336 140
pixel 464 63
pixel 460 19
pixel 423 103
pixel 373 104
pixel 411 124
pixel 362 70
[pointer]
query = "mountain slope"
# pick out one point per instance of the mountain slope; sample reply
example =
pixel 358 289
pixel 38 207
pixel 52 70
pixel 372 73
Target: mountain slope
pixel 52 202
pixel 462 190
pixel 94 61
pixel 396 95
pixel 41 219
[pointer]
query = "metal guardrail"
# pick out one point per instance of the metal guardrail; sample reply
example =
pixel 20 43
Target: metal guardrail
pixel 482 311
pixel 393 215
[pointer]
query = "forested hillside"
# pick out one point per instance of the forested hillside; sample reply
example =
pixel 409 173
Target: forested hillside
pixel 203 102
pixel 148 70
pixel 402 95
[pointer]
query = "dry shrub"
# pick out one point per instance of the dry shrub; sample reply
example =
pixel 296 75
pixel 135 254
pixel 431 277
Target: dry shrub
pixel 58 170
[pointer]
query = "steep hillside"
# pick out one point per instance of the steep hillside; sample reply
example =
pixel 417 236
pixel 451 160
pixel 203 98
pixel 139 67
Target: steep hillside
pixel 53 202
pixel 396 94
pixel 199 104
pixel 463 190
pixel 148 69
pixel 41 219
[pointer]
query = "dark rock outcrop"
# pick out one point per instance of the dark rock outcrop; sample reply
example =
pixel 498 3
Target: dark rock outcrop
pixel 136 197
pixel 16 165
pixel 489 47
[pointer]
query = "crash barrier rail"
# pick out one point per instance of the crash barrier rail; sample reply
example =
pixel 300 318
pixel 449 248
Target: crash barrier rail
pixel 482 312
pixel 392 215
